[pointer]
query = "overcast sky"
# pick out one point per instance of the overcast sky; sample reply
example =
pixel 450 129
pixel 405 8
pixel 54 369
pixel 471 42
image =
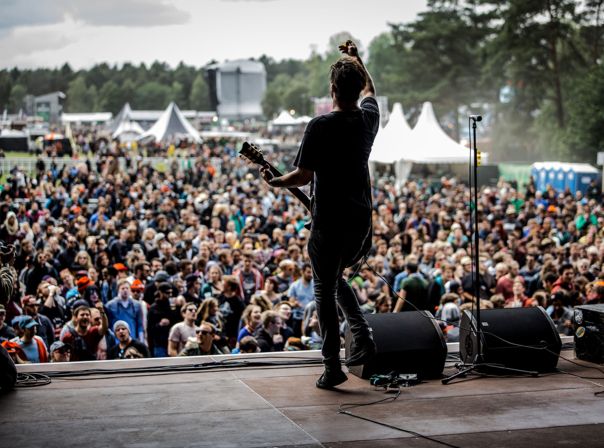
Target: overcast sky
pixel 48 33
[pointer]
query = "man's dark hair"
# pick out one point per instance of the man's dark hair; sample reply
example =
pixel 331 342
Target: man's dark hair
pixel 171 268
pixel 140 266
pixel 565 267
pixel 550 277
pixel 348 79
pixel 248 344
pixel 412 268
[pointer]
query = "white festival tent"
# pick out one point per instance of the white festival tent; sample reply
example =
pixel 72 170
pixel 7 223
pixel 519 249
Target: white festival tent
pixel 128 131
pixel 285 119
pixel 389 144
pixel 392 138
pixel 170 126
pixel 124 115
pixel 428 143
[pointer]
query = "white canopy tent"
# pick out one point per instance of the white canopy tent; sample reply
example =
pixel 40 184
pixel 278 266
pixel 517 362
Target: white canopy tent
pixel 390 143
pixel 128 131
pixel 428 143
pixel 123 115
pixel 392 138
pixel 285 119
pixel 171 125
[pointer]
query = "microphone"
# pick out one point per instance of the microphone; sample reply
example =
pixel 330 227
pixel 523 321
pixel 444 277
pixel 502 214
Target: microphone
pixel 476 117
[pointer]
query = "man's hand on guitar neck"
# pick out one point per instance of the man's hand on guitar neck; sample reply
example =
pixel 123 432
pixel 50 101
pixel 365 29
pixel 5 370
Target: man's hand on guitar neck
pixel 297 178
pixel 266 175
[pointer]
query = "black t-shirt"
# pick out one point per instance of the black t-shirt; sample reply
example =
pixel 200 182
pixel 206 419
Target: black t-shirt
pixel 336 148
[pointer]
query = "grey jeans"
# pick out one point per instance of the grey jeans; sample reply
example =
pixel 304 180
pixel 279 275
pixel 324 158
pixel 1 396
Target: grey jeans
pixel 330 253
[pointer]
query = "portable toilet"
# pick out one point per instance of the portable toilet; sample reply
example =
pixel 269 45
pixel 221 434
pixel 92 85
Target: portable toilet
pixel 539 175
pixel 551 169
pixel 579 176
pixel 560 172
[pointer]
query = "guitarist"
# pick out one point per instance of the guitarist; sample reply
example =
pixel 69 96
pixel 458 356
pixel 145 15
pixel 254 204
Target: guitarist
pixel 334 155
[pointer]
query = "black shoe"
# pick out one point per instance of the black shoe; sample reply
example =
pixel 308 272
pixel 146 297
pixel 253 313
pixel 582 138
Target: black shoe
pixel 362 352
pixel 331 379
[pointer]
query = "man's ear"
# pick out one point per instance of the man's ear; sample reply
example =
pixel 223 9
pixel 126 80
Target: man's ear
pixel 332 89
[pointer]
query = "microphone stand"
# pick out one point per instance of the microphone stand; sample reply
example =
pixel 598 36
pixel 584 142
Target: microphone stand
pixel 477 364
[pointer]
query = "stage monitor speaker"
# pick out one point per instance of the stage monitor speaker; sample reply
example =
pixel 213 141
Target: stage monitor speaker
pixel 8 371
pixel 588 323
pixel 407 342
pixel 518 338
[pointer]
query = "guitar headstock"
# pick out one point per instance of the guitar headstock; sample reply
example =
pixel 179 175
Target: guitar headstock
pixel 252 153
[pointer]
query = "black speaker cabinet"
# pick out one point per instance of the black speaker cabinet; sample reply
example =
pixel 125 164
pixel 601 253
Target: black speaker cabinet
pixel 512 337
pixel 8 371
pixel 588 322
pixel 407 342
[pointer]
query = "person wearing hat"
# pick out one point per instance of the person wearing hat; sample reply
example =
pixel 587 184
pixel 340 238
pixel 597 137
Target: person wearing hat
pixel 125 308
pixel 33 346
pixel 6 331
pixel 122 333
pixel 137 289
pixel 9 228
pixel 122 270
pixel 46 330
pixel 60 352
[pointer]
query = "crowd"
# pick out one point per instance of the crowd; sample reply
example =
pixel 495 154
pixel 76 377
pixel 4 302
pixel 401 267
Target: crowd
pixel 204 258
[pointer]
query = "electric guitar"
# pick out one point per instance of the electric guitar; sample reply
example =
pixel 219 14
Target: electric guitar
pixel 254 155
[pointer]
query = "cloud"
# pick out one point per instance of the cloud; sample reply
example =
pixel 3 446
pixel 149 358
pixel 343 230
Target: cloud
pixel 128 13
pixel 17 13
pixel 25 47
pixel 132 13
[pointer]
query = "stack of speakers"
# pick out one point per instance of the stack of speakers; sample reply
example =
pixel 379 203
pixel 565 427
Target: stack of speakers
pixel 412 342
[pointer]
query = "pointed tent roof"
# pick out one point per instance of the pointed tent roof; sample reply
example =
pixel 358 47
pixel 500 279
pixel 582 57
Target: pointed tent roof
pixel 285 119
pixel 430 144
pixel 126 129
pixel 124 115
pixel 172 123
pixel 392 138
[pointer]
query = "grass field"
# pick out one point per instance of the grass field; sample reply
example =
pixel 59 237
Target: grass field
pixel 19 155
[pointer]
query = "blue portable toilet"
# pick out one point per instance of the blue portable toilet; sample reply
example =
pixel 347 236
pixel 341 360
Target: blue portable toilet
pixel 579 176
pixel 551 170
pixel 560 172
pixel 538 171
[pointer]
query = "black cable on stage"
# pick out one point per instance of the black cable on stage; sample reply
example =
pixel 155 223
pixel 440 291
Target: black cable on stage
pixel 32 380
pixel 343 409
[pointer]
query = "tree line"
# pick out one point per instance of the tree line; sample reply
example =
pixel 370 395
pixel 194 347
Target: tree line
pixel 534 67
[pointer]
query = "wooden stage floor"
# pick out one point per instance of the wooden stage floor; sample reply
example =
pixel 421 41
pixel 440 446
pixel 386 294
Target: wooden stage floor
pixel 279 406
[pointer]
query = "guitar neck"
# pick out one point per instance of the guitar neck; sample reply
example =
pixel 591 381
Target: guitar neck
pixel 299 194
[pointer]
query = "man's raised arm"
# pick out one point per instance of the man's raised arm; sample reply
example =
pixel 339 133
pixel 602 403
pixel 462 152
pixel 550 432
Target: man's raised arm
pixel 350 48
